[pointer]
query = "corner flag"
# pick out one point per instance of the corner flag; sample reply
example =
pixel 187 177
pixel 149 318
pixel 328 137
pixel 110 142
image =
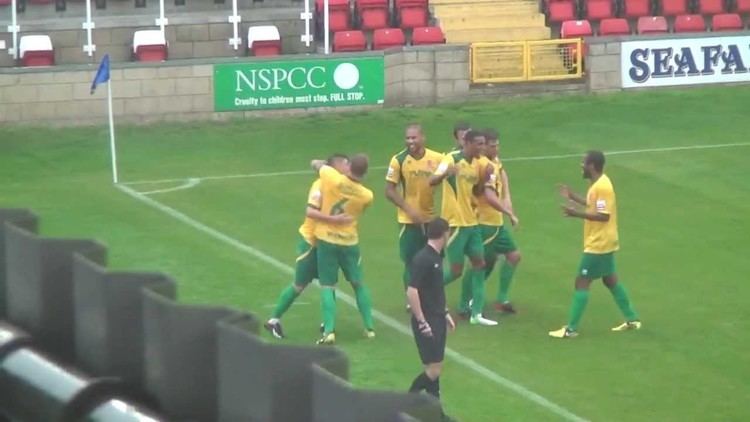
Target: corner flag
pixel 102 74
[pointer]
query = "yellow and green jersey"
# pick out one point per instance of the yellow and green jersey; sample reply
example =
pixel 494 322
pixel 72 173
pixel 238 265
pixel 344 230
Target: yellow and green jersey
pixel 413 176
pixel 314 199
pixel 458 196
pixel 341 195
pixel 485 213
pixel 600 237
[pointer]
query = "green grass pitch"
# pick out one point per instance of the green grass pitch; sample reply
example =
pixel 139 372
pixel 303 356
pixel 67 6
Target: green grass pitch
pixel 683 226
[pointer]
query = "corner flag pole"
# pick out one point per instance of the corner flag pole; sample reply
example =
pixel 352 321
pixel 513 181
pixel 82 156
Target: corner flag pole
pixel 102 76
pixel 112 148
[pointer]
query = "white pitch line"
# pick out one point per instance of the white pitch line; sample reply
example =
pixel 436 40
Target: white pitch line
pixel 189 183
pixel 385 319
pixel 530 158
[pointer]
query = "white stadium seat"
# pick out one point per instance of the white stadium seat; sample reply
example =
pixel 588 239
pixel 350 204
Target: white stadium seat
pixel 36 50
pixel 149 46
pixel 264 40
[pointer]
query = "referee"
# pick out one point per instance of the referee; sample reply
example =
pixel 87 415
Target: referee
pixel 430 318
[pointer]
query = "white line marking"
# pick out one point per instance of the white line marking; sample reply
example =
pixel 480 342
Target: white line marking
pixel 385 319
pixel 189 183
pixel 532 158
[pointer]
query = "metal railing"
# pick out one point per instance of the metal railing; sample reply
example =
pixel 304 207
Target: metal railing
pixel 519 61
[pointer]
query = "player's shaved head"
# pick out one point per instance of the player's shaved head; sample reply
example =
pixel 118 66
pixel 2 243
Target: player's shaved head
pixel 359 164
pixel 437 228
pixel 337 157
pixel 596 159
pixel 415 126
pixel 490 134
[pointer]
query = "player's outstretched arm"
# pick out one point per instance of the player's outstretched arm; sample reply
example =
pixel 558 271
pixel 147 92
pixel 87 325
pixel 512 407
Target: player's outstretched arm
pixel 317 164
pixel 568 194
pixel 318 215
pixel 391 192
pixel 494 201
pixel 571 211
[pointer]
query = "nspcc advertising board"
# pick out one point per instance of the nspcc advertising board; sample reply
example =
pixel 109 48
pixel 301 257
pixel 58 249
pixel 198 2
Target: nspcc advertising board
pixel 686 61
pixel 299 83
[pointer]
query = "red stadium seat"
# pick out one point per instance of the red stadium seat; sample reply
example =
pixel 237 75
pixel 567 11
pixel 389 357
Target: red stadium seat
pixel 413 17
pixel 599 9
pixel 652 25
pixel 711 7
pixel 576 29
pixel 674 7
pixel 726 22
pixel 637 8
pixel 41 1
pixel 742 6
pixel 6 2
pixel 373 14
pixel 36 50
pixel 427 35
pixel 349 41
pixel 149 46
pixel 264 40
pixel 615 26
pixel 561 10
pixel 388 38
pixel 339 16
pixel 689 23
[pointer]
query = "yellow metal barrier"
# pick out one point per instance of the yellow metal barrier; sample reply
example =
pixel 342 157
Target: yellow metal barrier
pixel 526 61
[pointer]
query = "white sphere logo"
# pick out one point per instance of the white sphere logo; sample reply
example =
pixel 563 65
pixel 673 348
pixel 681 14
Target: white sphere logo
pixel 346 76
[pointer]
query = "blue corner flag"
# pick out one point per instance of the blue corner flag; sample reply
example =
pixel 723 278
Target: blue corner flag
pixel 102 74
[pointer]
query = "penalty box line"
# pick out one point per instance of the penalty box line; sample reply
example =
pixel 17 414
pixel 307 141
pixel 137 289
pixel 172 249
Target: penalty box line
pixel 193 181
pixel 349 300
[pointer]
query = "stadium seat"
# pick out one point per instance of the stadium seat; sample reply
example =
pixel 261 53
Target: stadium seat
pixel 637 8
pixel 711 7
pixel 689 23
pixel 652 25
pixel 427 35
pixel 726 22
pixel 36 50
pixel 339 16
pixel 264 40
pixel 6 2
pixel 412 13
pixel 599 9
pixel 742 6
pixel 349 41
pixel 149 46
pixel 561 10
pixel 674 7
pixel 373 14
pixel 576 29
pixel 388 38
pixel 615 26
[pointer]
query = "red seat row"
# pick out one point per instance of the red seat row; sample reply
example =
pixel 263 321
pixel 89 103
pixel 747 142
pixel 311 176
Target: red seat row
pixel 564 10
pixel 373 14
pixel 652 25
pixel 385 38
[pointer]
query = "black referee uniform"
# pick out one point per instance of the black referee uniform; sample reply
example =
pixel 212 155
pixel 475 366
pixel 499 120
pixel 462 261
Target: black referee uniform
pixel 427 278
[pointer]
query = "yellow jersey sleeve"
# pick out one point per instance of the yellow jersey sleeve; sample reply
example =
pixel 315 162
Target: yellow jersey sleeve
pixel 445 164
pixel 603 200
pixel 315 196
pixel 329 174
pixel 394 171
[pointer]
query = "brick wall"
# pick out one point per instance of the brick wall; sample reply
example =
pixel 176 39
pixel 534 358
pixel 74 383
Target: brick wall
pixel 603 65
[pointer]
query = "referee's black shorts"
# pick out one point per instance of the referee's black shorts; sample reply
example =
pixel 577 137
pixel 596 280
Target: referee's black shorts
pixel 431 349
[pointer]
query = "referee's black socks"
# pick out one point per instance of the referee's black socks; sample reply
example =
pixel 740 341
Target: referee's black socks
pixel 423 382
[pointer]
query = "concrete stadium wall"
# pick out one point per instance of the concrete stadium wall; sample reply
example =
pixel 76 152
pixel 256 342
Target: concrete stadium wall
pixel 190 35
pixel 182 90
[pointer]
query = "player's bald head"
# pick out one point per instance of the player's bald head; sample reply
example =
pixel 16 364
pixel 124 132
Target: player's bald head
pixel 416 127
pixel 359 164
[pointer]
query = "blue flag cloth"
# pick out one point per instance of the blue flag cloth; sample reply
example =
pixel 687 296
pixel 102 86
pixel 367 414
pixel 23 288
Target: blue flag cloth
pixel 102 74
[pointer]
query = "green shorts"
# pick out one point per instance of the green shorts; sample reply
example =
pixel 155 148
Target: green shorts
pixel 306 266
pixel 464 241
pixel 595 266
pixel 497 240
pixel 411 239
pixel 331 257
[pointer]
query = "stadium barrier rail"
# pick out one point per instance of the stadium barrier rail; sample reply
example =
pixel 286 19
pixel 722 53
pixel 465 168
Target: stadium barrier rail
pixel 544 60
